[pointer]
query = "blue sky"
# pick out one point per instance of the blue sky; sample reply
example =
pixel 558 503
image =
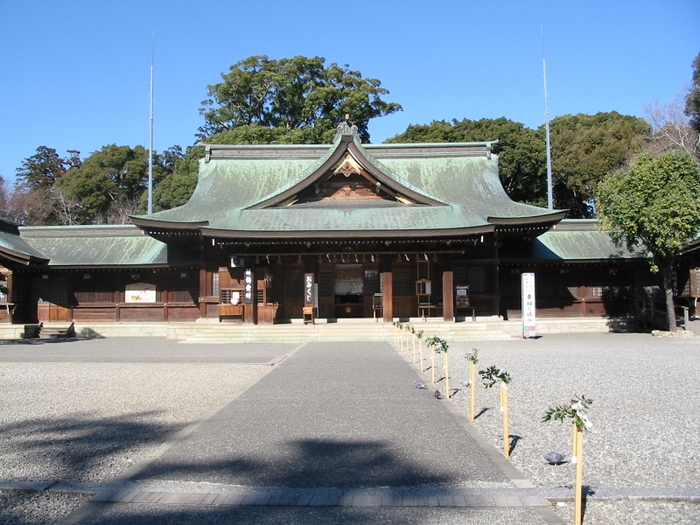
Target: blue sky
pixel 75 74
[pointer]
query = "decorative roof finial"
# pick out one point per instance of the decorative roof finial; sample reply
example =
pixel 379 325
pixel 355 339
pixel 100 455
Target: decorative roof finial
pixel 346 127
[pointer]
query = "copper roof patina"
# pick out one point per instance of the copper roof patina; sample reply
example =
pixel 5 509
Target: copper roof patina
pixel 103 246
pixel 572 240
pixel 447 189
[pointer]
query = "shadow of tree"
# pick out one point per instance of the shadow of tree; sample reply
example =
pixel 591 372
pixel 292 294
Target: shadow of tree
pixel 80 448
pixel 308 463
pixel 77 448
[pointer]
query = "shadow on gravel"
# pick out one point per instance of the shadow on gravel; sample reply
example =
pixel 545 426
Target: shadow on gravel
pixel 480 412
pixel 513 442
pixel 313 463
pixel 11 342
pixel 80 448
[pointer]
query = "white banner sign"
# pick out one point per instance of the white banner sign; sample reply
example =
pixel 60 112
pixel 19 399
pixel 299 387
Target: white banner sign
pixel 140 293
pixel 527 281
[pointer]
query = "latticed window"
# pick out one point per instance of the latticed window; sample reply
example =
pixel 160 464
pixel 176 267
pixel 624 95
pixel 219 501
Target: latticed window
pixel 215 284
pixel 94 297
pixel 183 296
pixel 294 284
pixel 403 284
pixel 325 283
pixel 460 275
pixel 476 279
pixel 372 285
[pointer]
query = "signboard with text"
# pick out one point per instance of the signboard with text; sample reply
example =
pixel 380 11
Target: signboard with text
pixel 309 289
pixel 527 281
pixel 248 286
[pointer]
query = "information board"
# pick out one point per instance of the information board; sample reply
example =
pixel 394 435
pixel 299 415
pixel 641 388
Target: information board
pixel 248 286
pixel 527 281
pixel 308 289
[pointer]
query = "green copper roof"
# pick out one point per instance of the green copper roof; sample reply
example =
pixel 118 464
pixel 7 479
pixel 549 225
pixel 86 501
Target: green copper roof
pixel 104 246
pixel 572 240
pixel 454 187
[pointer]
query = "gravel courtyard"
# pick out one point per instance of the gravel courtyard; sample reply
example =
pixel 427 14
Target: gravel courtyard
pixel 645 441
pixel 85 411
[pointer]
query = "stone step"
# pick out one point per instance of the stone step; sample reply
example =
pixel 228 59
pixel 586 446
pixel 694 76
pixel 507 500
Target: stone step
pixel 367 331
pixel 56 331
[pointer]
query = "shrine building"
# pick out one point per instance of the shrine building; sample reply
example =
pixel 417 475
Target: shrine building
pixel 274 233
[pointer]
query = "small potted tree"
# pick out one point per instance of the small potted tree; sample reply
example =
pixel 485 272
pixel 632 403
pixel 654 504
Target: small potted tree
pixel 491 376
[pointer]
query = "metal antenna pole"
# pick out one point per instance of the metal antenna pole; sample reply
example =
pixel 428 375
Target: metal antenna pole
pixel 550 203
pixel 150 138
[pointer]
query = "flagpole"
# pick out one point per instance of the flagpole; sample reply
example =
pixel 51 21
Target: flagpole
pixel 150 137
pixel 550 200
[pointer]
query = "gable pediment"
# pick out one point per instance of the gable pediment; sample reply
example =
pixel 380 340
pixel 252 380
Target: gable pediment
pixel 347 174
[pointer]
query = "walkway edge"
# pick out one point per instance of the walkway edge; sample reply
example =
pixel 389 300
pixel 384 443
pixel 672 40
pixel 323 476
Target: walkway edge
pixel 516 477
pixel 81 513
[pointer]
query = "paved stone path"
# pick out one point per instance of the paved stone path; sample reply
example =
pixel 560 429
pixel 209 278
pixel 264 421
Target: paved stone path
pixel 335 433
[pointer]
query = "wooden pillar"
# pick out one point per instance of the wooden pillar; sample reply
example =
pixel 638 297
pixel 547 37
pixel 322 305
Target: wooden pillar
pixel 497 277
pixel 166 298
pixel 387 290
pixel 448 289
pixel 448 296
pixel 11 297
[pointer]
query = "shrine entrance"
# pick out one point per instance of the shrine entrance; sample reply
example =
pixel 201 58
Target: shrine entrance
pixel 349 290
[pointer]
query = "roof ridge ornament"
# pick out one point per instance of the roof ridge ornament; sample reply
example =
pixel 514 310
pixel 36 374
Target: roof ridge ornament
pixel 346 127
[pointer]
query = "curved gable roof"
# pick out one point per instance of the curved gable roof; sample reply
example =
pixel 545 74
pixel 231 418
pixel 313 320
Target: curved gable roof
pixel 449 189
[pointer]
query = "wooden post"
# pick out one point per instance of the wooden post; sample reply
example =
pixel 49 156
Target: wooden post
pixel 421 356
pixel 165 296
pixel 203 292
pixel 445 364
pixel 578 496
pixel 388 296
pixel 448 296
pixel 504 409
pixel 432 363
pixel 472 380
pixel 414 347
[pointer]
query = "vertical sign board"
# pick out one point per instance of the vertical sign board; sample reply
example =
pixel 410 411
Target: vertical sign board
pixel 528 305
pixel 248 286
pixel 309 289
pixel 695 282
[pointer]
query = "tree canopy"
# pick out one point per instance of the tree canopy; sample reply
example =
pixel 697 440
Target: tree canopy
pixel 521 151
pixel 585 149
pixel 299 96
pixel 176 189
pixel 692 100
pixel 111 183
pixel 655 204
pixel 302 100
pixel 42 169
